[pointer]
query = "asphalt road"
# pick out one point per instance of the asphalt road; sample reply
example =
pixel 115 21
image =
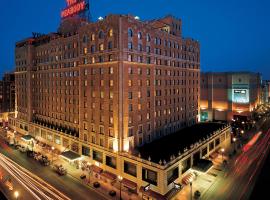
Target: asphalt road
pixel 66 184
pixel 241 174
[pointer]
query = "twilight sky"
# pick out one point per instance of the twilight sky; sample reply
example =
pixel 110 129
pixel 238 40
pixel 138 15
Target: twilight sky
pixel 234 34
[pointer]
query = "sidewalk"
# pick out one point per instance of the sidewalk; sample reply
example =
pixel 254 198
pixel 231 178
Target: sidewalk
pixel 72 171
pixel 105 187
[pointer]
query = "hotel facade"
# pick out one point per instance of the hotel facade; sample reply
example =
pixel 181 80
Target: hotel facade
pixel 226 95
pixel 102 89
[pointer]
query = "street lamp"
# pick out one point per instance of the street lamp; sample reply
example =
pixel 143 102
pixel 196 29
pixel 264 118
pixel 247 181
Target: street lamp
pixel 89 171
pixel 222 152
pixel 234 140
pixel 120 178
pixel 16 194
pixel 52 154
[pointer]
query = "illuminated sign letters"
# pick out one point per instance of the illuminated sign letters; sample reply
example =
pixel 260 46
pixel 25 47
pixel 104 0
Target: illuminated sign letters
pixel 74 7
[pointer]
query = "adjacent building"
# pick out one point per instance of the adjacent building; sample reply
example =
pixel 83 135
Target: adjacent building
pixel 226 95
pixel 265 91
pixel 7 97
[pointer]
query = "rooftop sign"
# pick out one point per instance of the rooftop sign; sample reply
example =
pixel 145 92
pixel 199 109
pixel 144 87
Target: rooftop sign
pixel 74 7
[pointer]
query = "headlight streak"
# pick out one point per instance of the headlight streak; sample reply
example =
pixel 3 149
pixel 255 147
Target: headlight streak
pixel 36 186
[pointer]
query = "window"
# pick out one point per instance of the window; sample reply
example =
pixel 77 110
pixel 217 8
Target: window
pixel 92 37
pixel 130 46
pixel 111 83
pixel 110 45
pixel 111 70
pixel 172 175
pixel 130 33
pixel 130 132
pixel 139 71
pixel 98 156
pixel 111 161
pixel 111 94
pixel 130 168
pixel 85 151
pixel 140 47
pixel 148 37
pixel 93 48
pixel 101 47
pixel 129 95
pixel 148 49
pixel 129 83
pixel 149 176
pixel 101 35
pixel 110 32
pixel 139 35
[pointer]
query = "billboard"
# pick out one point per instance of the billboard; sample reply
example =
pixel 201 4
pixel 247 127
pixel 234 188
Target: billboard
pixel 240 96
pixel 74 7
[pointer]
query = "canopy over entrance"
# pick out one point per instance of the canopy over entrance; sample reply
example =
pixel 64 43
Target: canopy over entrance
pixel 70 155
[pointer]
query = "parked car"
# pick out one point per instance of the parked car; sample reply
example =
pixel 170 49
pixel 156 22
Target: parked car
pixel 60 170
pixel 96 184
pixel 22 149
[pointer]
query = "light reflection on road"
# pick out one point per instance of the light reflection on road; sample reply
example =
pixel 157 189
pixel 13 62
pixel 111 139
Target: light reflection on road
pixel 38 188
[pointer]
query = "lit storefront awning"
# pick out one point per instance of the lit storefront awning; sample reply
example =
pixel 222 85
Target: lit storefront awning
pixel 109 175
pixel 188 178
pixel 129 184
pixel 70 155
pixel 27 138
pixel 152 194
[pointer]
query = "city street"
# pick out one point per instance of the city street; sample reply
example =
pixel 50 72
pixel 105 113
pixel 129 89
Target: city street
pixel 71 187
pixel 235 180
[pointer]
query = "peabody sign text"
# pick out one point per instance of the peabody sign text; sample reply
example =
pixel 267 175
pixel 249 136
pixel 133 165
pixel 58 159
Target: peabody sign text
pixel 73 7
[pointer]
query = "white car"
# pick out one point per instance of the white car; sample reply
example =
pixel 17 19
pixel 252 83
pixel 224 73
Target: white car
pixel 22 149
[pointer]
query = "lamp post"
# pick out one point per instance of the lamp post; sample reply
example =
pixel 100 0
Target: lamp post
pixel 16 194
pixel 190 183
pixel 120 178
pixel 89 171
pixel 222 152
pixel 234 141
pixel 52 154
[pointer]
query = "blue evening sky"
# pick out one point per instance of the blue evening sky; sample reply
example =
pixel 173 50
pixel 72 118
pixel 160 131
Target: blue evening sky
pixel 234 34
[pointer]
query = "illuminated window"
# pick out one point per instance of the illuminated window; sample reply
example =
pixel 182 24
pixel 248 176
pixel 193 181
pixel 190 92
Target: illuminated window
pixel 139 106
pixel 111 94
pixel 101 47
pixel 85 50
pixel 139 35
pixel 111 83
pixel 93 60
pixel 101 94
pixel 130 58
pixel 129 83
pixel 139 71
pixel 110 32
pixel 101 82
pixel 92 37
pixel 111 70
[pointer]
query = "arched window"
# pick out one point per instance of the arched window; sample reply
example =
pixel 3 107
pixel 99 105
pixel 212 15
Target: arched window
pixel 130 33
pixel 148 37
pixel 139 35
pixel 110 32
pixel 101 35
pixel 84 39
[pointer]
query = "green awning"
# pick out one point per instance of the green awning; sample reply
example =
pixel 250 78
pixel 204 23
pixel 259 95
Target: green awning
pixel 27 138
pixel 70 155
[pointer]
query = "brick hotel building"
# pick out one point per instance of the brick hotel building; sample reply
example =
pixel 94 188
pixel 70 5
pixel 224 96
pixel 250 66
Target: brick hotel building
pixel 102 89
